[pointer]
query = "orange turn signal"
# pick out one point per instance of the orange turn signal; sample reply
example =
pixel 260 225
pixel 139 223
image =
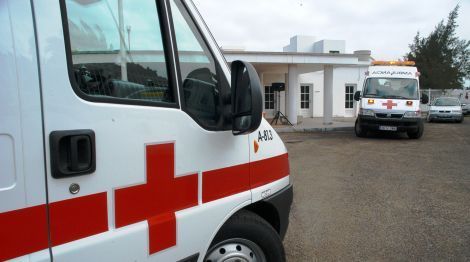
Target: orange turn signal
pixel 370 101
pixel 409 103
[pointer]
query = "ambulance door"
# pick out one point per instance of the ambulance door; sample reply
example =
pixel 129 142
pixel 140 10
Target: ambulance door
pixel 138 144
pixel 23 215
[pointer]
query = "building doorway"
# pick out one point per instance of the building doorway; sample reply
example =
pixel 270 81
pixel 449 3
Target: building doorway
pixel 349 105
pixel 269 101
pixel 306 91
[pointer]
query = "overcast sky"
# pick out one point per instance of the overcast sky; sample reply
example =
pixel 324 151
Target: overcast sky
pixel 384 27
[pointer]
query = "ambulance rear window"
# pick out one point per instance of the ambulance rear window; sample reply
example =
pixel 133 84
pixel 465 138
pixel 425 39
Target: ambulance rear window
pixel 117 50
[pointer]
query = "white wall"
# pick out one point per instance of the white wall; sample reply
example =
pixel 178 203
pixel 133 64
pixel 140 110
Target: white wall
pixel 316 79
pixel 300 43
pixel 341 77
pixel 325 46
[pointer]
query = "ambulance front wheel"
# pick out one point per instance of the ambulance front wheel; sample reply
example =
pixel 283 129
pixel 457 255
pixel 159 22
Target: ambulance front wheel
pixel 360 131
pixel 246 237
pixel 417 134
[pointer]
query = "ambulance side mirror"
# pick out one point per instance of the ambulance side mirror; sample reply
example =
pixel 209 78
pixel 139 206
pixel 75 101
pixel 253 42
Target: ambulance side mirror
pixel 247 101
pixel 357 95
pixel 424 99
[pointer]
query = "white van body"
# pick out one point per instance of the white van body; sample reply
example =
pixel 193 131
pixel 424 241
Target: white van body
pixel 390 101
pixel 161 185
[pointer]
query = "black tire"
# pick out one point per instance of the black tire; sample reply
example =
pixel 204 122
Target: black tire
pixel 418 134
pixel 246 225
pixel 460 120
pixel 428 119
pixel 360 132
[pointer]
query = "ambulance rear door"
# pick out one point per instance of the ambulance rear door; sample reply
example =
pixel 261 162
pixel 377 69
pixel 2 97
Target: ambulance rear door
pixel 23 210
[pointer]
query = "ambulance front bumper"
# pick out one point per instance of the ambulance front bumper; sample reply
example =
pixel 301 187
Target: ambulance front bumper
pixel 282 202
pixel 401 124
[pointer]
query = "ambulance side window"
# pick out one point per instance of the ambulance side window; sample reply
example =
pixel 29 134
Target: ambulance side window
pixel 203 82
pixel 117 53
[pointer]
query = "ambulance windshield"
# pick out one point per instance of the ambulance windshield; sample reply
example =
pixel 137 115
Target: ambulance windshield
pixel 398 88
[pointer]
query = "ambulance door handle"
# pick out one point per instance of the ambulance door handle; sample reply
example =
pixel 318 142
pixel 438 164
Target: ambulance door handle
pixel 80 152
pixel 72 153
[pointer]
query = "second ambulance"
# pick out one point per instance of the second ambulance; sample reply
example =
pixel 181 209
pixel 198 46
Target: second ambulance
pixel 390 100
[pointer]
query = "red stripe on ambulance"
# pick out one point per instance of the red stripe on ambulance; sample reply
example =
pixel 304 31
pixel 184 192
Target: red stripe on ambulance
pixel 269 170
pixel 24 231
pixel 225 182
pixel 78 218
pixel 232 180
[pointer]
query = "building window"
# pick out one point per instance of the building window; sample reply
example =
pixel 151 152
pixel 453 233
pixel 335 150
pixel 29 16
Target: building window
pixel 105 66
pixel 268 97
pixel 304 97
pixel 349 97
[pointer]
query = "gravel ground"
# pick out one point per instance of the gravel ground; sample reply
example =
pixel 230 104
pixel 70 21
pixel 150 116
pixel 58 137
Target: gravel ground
pixel 383 198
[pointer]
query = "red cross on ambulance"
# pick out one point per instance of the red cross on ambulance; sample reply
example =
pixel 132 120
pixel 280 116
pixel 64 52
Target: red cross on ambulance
pixel 389 104
pixel 158 199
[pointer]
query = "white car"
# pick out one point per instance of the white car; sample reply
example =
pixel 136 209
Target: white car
pixel 445 108
pixel 466 109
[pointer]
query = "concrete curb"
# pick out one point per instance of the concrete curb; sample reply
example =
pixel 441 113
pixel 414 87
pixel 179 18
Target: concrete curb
pixel 313 129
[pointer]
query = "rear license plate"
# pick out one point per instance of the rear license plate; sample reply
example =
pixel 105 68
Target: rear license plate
pixel 388 128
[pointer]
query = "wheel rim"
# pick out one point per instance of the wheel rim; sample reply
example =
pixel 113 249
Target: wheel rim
pixel 236 250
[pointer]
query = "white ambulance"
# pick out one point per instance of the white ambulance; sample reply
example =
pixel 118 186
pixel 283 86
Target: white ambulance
pixel 390 99
pixel 122 139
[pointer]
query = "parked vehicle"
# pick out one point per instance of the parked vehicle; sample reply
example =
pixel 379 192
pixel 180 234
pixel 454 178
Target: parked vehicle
pixel 390 100
pixel 445 109
pixel 465 109
pixel 121 138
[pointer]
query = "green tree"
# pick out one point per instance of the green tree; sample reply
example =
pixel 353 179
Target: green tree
pixel 442 58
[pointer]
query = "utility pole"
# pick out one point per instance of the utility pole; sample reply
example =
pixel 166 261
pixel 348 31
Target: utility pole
pixel 122 50
pixel 129 37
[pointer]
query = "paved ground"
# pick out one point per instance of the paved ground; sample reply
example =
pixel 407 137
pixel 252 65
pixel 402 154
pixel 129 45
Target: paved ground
pixel 315 124
pixel 385 198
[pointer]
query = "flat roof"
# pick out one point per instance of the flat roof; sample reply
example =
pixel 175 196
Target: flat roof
pixel 363 58
pixel 231 52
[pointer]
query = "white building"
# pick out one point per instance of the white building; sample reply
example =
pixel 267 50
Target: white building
pixel 320 78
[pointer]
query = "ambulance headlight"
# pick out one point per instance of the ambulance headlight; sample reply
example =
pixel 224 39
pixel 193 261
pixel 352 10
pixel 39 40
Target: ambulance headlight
pixel 366 112
pixel 412 114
